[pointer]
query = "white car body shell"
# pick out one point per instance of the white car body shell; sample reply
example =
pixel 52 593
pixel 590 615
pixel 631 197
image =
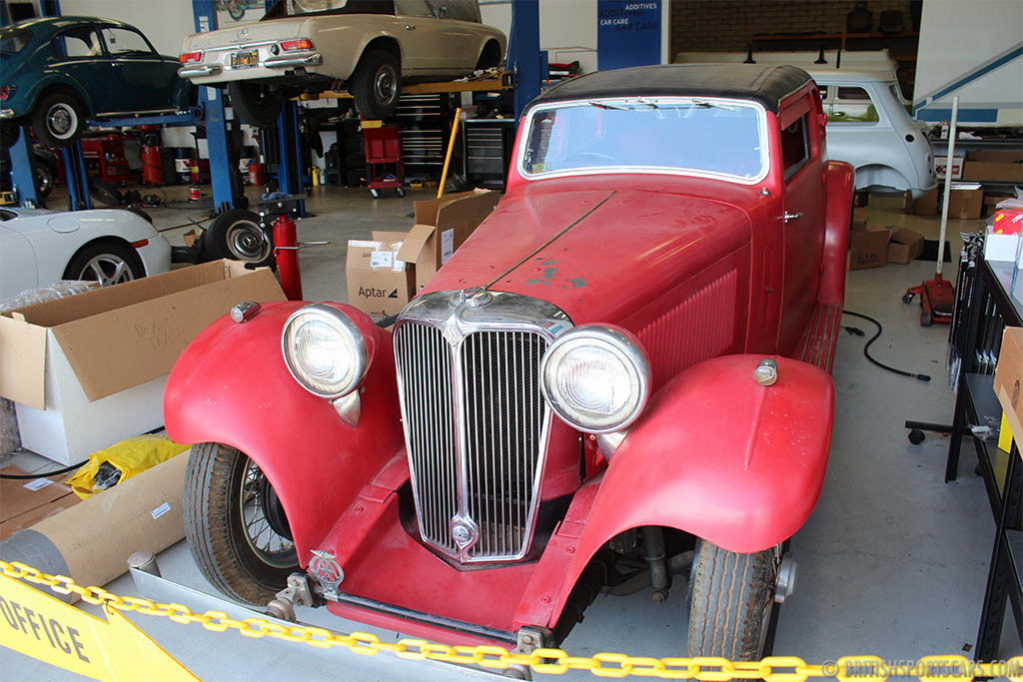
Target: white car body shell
pixel 431 47
pixel 37 245
pixel 887 148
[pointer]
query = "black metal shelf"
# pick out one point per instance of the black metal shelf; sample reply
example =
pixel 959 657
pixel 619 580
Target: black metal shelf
pixel 983 309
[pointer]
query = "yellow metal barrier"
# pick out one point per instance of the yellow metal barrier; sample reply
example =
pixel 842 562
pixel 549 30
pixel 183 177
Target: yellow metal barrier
pixel 951 668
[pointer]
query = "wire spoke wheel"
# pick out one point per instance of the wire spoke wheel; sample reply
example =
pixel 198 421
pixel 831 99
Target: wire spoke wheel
pixel 235 524
pixel 259 505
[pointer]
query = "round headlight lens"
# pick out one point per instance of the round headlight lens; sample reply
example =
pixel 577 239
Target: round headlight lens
pixel 324 351
pixel 596 379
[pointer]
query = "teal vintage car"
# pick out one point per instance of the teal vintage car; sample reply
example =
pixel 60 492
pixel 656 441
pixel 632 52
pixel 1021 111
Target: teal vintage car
pixel 56 73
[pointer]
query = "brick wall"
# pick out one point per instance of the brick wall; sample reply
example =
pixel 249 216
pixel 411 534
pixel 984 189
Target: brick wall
pixel 726 25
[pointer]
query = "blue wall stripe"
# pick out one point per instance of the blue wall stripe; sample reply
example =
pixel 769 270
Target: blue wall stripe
pixel 965 115
pixel 1012 54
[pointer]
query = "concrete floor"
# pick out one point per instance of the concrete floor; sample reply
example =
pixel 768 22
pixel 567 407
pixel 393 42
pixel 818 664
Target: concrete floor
pixel 893 562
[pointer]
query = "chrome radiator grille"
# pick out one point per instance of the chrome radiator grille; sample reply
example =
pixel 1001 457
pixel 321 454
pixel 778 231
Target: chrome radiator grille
pixel 476 426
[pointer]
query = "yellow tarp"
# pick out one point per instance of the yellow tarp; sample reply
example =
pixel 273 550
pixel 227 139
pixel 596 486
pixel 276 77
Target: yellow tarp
pixel 130 456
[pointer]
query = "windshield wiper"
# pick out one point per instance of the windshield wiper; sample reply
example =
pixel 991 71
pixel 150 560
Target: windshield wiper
pixel 717 105
pixel 647 103
pixel 601 105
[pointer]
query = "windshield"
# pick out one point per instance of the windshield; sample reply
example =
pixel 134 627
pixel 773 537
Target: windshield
pixel 668 134
pixel 14 40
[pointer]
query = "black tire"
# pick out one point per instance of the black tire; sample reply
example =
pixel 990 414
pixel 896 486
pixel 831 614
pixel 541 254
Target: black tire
pixel 46 178
pixel 916 436
pixel 105 192
pixel 377 84
pixel 107 261
pixel 9 133
pixel 255 104
pixel 221 485
pixel 58 119
pixel 237 235
pixel 731 600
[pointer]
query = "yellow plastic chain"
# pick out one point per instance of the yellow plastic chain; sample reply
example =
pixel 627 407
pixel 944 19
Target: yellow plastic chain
pixel 951 668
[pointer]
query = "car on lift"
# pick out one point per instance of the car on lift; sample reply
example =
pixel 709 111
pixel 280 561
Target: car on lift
pixel 56 73
pixel 869 126
pixel 39 247
pixel 369 46
pixel 622 375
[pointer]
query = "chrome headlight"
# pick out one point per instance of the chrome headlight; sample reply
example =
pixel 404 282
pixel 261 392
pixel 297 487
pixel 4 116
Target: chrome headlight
pixel 595 378
pixel 324 351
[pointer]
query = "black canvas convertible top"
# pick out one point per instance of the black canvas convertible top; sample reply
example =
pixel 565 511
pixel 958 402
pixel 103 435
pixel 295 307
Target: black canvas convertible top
pixel 759 82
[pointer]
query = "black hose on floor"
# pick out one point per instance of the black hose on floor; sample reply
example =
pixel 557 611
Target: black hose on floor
pixel 866 349
pixel 25 477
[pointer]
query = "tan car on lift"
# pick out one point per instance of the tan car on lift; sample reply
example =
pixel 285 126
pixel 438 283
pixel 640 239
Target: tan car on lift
pixel 368 46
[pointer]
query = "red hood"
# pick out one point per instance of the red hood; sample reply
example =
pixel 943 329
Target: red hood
pixel 596 254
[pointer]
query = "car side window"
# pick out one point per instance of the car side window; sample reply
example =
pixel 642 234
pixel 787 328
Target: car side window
pixel 850 104
pixel 77 42
pixel 413 8
pixel 462 10
pixel 795 146
pixel 121 41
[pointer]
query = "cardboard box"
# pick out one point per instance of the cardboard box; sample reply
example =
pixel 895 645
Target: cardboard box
pixel 23 503
pixel 379 283
pixel 1009 378
pixel 89 370
pixel 991 201
pixel 905 246
pixel 442 225
pixel 965 202
pixel 927 204
pixel 994 166
pixel 1008 221
pixel 868 248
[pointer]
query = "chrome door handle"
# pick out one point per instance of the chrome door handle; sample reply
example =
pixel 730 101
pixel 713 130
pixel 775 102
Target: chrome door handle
pixel 793 216
pixel 410 27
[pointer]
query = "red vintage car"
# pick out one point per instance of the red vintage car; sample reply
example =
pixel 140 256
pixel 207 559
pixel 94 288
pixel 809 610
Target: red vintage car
pixel 622 376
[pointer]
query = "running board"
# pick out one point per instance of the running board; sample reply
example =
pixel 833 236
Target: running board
pixel 817 346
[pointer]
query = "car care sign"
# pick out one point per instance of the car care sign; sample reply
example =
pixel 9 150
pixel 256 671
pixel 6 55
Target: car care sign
pixel 628 33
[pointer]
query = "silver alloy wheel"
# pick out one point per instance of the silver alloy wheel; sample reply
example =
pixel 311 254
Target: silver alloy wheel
pixel 107 269
pixel 246 242
pixel 385 83
pixel 270 546
pixel 62 121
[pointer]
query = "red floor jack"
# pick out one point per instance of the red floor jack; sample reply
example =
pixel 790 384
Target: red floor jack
pixel 282 209
pixel 937 296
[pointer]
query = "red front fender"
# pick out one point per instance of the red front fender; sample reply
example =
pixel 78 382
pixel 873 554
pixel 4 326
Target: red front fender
pixel 715 455
pixel 841 179
pixel 231 386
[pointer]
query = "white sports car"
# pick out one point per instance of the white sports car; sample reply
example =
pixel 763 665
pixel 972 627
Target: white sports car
pixel 39 247
pixel 370 46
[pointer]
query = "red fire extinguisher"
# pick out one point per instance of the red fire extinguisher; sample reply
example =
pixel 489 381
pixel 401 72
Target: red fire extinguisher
pixel 152 162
